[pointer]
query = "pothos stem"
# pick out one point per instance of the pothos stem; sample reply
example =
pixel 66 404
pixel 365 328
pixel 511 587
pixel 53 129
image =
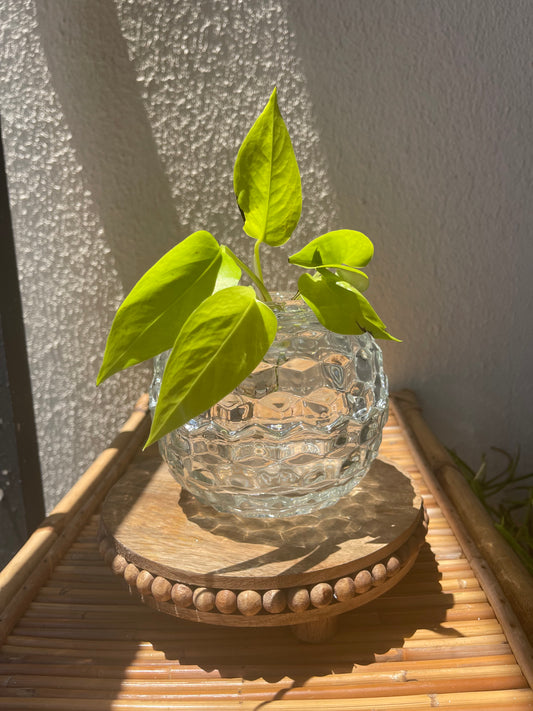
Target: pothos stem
pixel 257 260
pixel 257 280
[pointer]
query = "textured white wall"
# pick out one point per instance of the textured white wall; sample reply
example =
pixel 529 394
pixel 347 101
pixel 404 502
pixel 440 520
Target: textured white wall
pixel 410 121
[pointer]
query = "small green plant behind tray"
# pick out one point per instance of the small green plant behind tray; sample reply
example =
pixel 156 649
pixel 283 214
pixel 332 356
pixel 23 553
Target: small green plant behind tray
pixel 190 301
pixel 508 498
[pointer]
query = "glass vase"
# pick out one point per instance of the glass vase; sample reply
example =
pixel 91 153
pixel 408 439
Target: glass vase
pixel 296 435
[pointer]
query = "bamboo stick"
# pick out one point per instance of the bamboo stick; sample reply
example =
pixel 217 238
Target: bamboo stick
pixel 236 689
pixel 158 635
pixel 518 700
pixel 169 669
pixel 506 582
pixel 17 570
pixel 201 684
pixel 457 629
pixel 33 563
pixel 29 645
pixel 512 576
pixel 354 652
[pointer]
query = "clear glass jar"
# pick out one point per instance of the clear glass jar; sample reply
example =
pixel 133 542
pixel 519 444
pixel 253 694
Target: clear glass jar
pixel 296 435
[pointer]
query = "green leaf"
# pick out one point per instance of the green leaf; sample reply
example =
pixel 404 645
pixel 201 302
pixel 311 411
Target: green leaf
pixel 339 306
pixel 353 276
pixel 229 273
pixel 337 248
pixel 372 322
pixel 152 314
pixel 333 306
pixel 526 559
pixel 266 179
pixel 220 344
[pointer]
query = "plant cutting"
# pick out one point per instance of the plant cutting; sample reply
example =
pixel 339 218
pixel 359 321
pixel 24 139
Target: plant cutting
pixel 218 331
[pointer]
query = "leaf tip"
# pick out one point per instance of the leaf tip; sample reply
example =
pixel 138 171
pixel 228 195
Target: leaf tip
pixel 390 337
pixel 151 439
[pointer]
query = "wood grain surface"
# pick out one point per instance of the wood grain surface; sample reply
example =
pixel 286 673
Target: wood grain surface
pixel 165 530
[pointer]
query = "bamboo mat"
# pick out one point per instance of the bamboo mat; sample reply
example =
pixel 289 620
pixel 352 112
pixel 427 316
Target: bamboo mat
pixel 432 641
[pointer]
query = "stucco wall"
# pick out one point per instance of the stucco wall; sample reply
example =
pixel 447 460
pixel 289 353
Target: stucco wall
pixel 410 121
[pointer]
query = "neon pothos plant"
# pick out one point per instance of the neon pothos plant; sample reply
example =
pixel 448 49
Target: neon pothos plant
pixel 190 301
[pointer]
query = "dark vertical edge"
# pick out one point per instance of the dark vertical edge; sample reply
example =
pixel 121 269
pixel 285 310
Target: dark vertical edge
pixel 23 464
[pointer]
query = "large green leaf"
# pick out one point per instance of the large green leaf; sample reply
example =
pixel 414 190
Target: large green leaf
pixel 340 306
pixel 229 273
pixel 152 314
pixel 219 345
pixel 266 179
pixel 334 249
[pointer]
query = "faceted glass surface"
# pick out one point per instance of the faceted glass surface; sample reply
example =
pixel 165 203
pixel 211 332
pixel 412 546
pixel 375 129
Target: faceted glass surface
pixel 296 435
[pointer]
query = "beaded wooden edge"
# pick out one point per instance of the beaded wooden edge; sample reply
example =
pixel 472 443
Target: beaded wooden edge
pixel 274 607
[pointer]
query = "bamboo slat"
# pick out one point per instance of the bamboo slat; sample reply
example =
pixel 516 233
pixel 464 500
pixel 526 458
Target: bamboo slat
pixel 504 579
pixel 30 567
pixel 75 639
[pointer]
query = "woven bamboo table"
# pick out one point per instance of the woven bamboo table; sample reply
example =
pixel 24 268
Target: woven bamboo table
pixel 449 634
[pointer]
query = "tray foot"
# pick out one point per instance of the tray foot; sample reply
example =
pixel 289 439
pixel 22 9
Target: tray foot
pixel 316 631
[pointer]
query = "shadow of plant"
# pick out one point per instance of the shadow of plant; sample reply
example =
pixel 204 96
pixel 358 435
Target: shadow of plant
pixel 366 515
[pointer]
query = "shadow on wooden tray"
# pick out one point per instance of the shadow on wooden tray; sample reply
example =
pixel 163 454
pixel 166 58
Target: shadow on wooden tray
pixel 377 632
pixel 365 515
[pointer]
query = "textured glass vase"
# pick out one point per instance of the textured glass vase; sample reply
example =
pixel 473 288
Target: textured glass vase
pixel 296 435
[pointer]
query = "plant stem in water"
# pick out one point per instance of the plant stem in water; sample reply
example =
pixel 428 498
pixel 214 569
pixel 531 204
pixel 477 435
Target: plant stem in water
pixel 254 277
pixel 257 261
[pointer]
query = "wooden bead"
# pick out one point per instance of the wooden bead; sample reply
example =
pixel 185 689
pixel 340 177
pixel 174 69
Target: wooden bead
pixel 249 602
pixel 344 589
pixel 274 601
pixel 362 581
pixel 161 589
pixel 181 595
pixel 130 574
pixel 203 599
pixel 321 595
pixel 144 582
pixel 379 573
pixel 393 565
pixel 298 599
pixel 226 602
pixel 119 564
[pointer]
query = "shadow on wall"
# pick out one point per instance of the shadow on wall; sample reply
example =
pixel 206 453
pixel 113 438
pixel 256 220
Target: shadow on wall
pixel 97 86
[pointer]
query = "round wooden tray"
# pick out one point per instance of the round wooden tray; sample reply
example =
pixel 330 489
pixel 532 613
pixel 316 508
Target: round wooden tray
pixel 190 561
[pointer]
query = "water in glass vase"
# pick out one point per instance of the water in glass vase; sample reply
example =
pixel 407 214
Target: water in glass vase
pixel 296 435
